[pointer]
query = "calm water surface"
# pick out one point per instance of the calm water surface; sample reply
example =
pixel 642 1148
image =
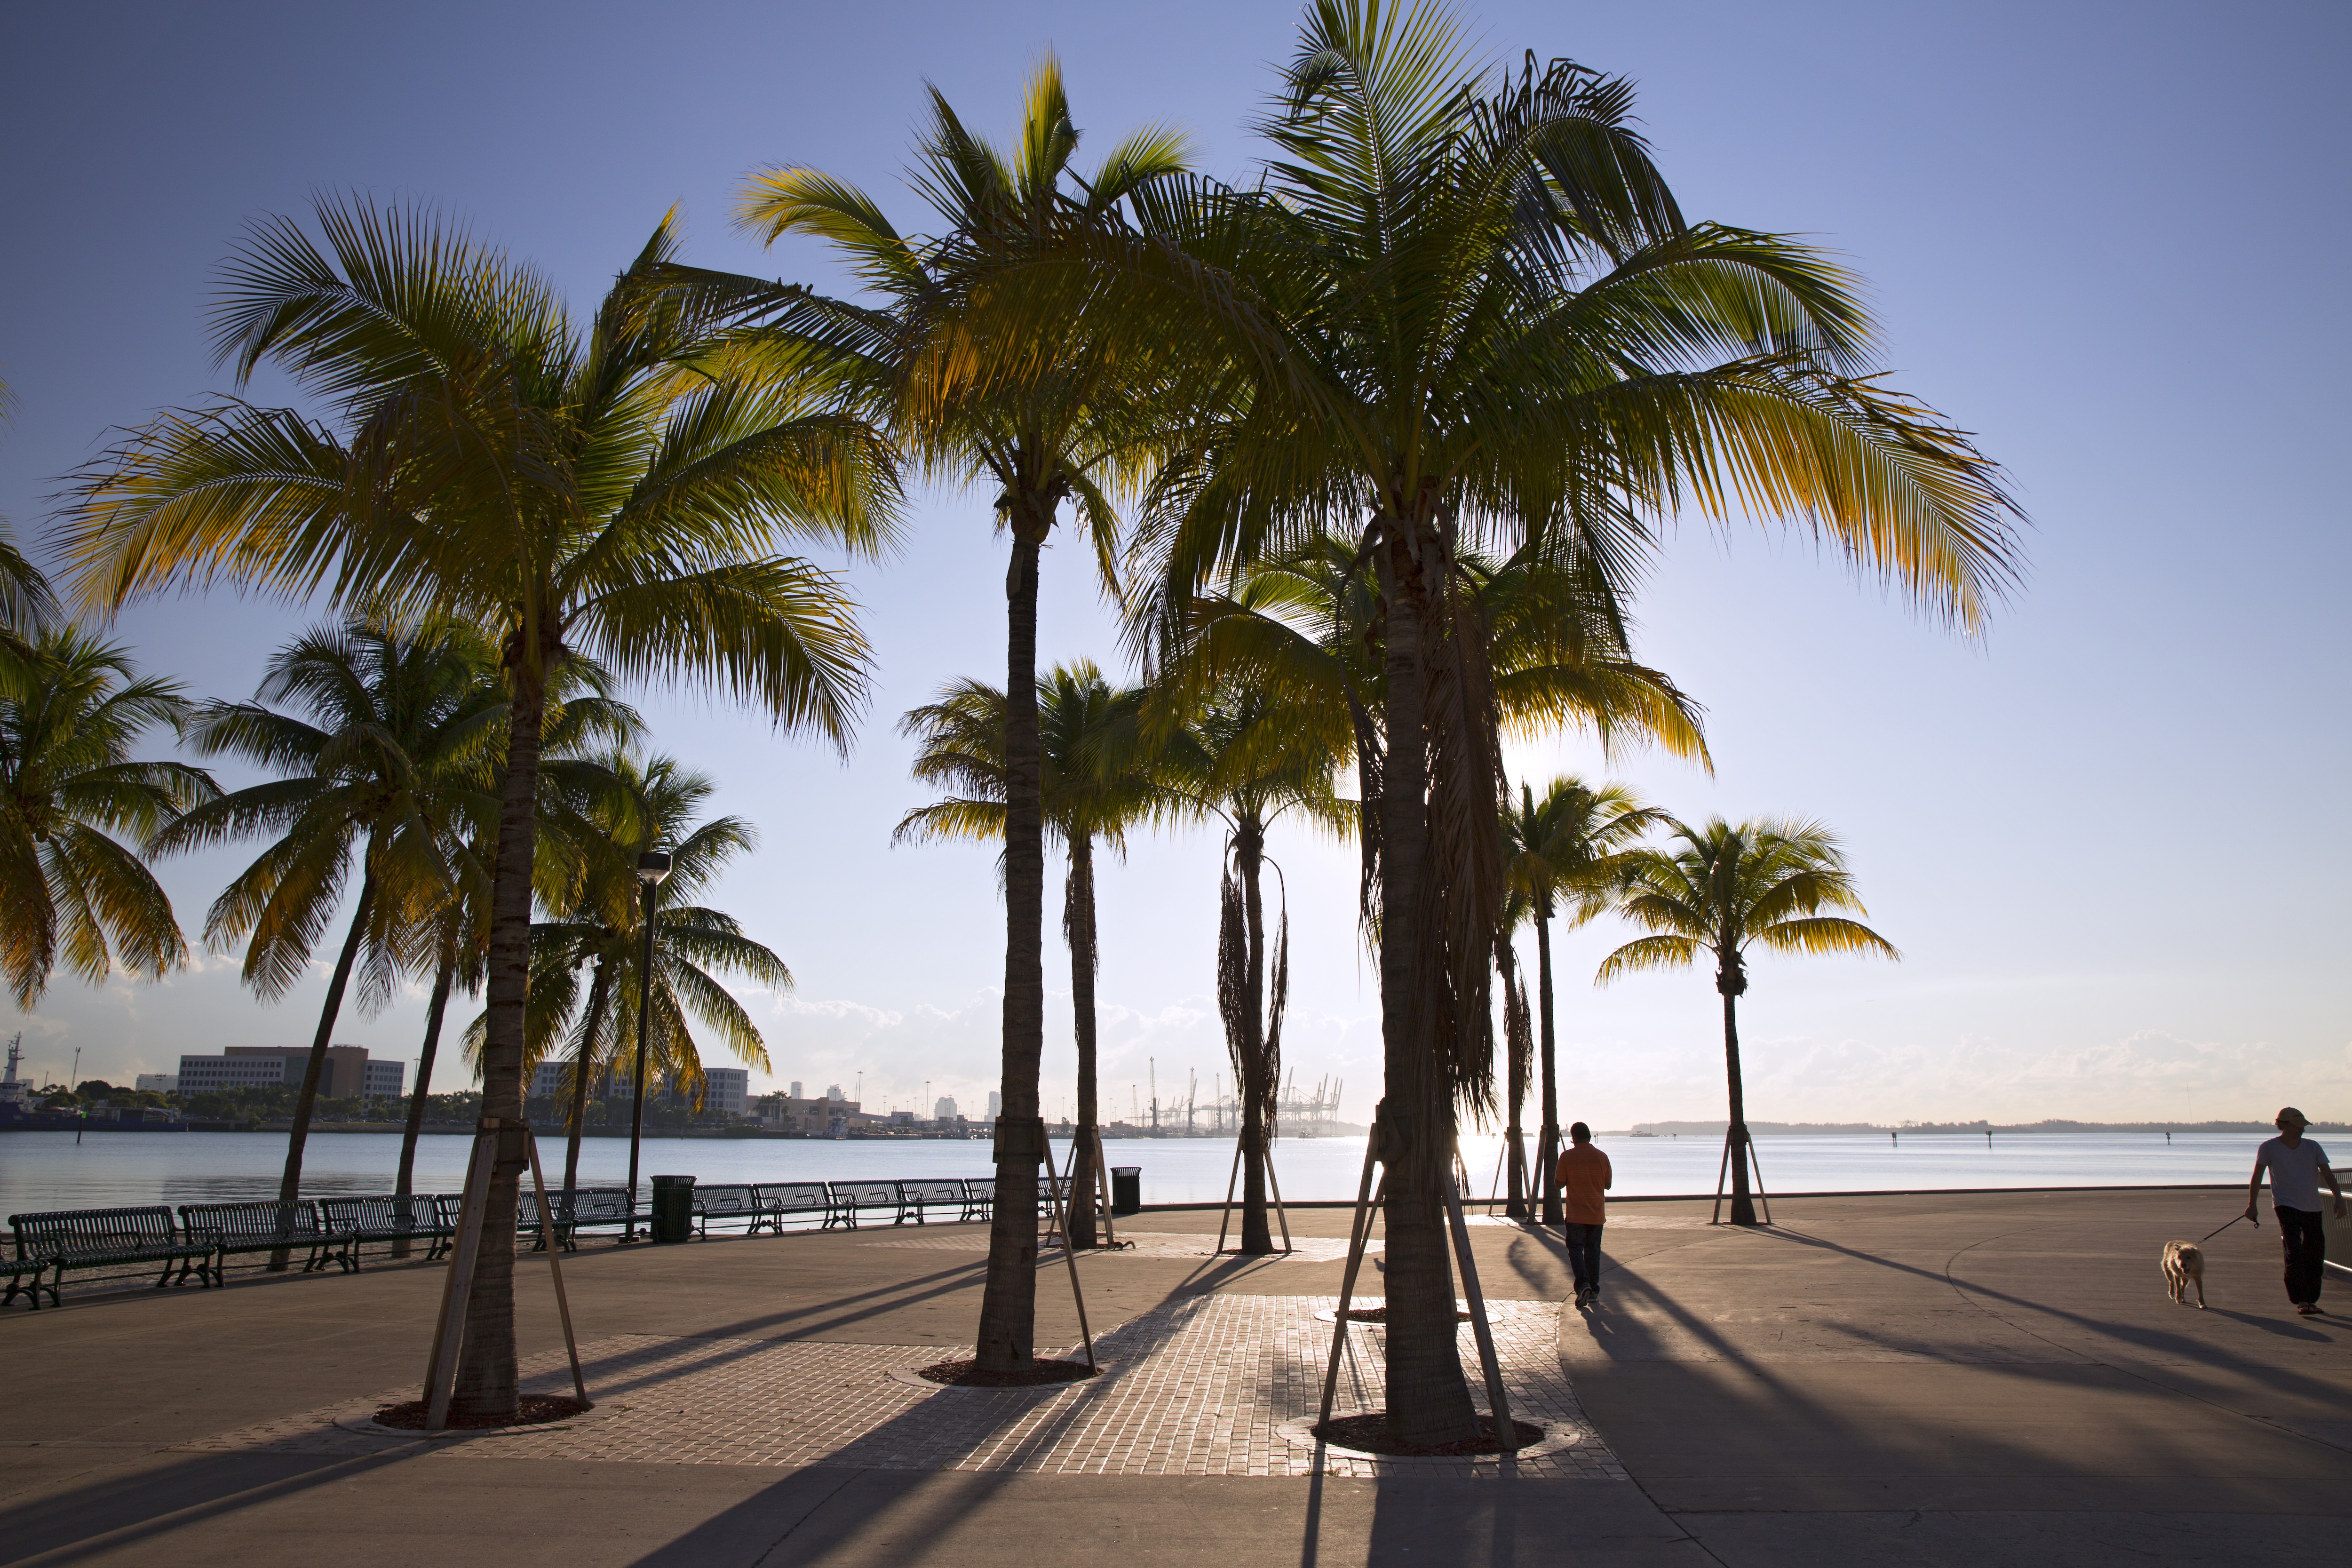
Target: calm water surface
pixel 47 1171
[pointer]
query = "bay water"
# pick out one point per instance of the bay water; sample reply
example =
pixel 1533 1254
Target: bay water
pixel 48 1171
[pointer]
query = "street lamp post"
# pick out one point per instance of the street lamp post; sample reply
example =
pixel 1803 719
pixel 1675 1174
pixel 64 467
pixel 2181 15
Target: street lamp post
pixel 652 867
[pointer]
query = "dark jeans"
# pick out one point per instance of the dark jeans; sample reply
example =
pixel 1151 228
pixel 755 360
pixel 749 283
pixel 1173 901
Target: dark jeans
pixel 1583 1253
pixel 2306 1240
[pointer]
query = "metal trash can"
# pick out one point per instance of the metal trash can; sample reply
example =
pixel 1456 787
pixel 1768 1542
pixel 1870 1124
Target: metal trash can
pixel 673 1208
pixel 1126 1190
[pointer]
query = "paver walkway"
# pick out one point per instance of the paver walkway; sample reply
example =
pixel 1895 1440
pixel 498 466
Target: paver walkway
pixel 1201 1387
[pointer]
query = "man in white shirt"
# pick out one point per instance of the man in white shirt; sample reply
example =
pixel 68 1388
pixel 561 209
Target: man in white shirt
pixel 2298 1166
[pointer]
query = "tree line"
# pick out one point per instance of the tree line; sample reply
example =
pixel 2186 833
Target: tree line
pixel 1371 449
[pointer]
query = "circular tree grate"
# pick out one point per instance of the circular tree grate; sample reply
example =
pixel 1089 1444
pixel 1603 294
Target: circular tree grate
pixel 1369 1433
pixel 966 1373
pixel 530 1410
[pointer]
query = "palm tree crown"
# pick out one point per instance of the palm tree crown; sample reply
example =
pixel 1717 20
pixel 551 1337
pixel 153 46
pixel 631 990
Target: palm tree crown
pixel 601 928
pixel 70 719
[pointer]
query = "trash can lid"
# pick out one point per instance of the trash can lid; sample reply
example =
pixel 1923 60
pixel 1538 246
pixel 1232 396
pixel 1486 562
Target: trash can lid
pixel 672 1181
pixel 1127 1170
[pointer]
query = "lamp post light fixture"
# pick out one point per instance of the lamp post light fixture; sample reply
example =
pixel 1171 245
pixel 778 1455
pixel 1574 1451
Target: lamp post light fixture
pixel 652 867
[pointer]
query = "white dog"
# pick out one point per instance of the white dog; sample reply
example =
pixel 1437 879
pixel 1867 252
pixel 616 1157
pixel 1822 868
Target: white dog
pixel 2184 1264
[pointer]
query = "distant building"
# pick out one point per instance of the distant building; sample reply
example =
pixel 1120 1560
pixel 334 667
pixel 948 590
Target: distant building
pixel 725 1091
pixel 945 1110
pixel 157 1083
pixel 218 1075
pixel 547 1078
pixel 346 1074
pixel 832 1092
pixel 812 1118
pixel 796 1089
pixel 996 1104
pixel 902 1118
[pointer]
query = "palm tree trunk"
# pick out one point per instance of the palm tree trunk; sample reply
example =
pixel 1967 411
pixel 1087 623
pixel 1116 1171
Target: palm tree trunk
pixel 599 991
pixel 1249 858
pixel 1743 1201
pixel 1008 1302
pixel 1429 1402
pixel 1078 926
pixel 486 1370
pixel 443 977
pixel 289 1182
pixel 1547 1135
pixel 1514 1082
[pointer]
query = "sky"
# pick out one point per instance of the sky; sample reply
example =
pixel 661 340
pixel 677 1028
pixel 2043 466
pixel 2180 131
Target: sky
pixel 2109 239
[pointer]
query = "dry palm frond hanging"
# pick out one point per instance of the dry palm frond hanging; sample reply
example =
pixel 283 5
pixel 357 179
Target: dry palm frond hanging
pixel 1257 1081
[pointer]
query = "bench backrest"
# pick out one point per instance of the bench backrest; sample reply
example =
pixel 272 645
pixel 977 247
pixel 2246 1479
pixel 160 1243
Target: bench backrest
pixel 865 1195
pixel 385 1212
pixel 67 1231
pixel 795 1197
pixel 277 1220
pixel 930 1192
pixel 728 1198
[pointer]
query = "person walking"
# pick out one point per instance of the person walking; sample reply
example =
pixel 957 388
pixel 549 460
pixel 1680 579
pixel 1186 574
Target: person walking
pixel 1583 1178
pixel 2298 1166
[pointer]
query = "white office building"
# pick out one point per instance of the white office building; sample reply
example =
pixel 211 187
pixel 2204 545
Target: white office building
pixel 218 1075
pixel 725 1091
pixel 945 1110
pixel 996 1104
pixel 386 1078
pixel 157 1083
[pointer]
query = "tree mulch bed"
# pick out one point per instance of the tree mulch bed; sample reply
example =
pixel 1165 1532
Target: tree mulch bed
pixel 1380 1315
pixel 1369 1433
pixel 966 1373
pixel 530 1410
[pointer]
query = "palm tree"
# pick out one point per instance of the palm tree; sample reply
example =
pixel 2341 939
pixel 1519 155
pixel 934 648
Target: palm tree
pixel 1249 756
pixel 1518 1045
pixel 451 922
pixel 69 887
pixel 1497 326
pixel 601 928
pixel 1015 351
pixel 1094 782
pixel 1564 849
pixel 1727 887
pixel 573 491
pixel 375 766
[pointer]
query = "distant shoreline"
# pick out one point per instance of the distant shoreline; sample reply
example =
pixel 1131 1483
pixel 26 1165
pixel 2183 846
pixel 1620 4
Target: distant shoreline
pixel 1971 1128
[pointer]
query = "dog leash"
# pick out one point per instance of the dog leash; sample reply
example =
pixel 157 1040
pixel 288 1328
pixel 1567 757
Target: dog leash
pixel 2211 1234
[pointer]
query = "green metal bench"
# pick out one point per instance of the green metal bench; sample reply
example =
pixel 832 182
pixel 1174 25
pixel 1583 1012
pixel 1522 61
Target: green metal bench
pixel 279 1226
pixel 103 1238
pixel 851 1199
pixel 731 1201
pixel 918 1197
pixel 16 1270
pixel 575 1209
pixel 354 1223
pixel 782 1198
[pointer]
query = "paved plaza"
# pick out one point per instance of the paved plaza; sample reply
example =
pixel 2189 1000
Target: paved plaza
pixel 1931 1378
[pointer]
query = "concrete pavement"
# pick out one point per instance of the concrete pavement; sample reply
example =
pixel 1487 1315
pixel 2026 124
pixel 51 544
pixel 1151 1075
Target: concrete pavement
pixel 1918 1379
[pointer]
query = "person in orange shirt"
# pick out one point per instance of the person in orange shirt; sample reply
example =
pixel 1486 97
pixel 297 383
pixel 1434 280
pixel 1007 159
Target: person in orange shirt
pixel 1584 1178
